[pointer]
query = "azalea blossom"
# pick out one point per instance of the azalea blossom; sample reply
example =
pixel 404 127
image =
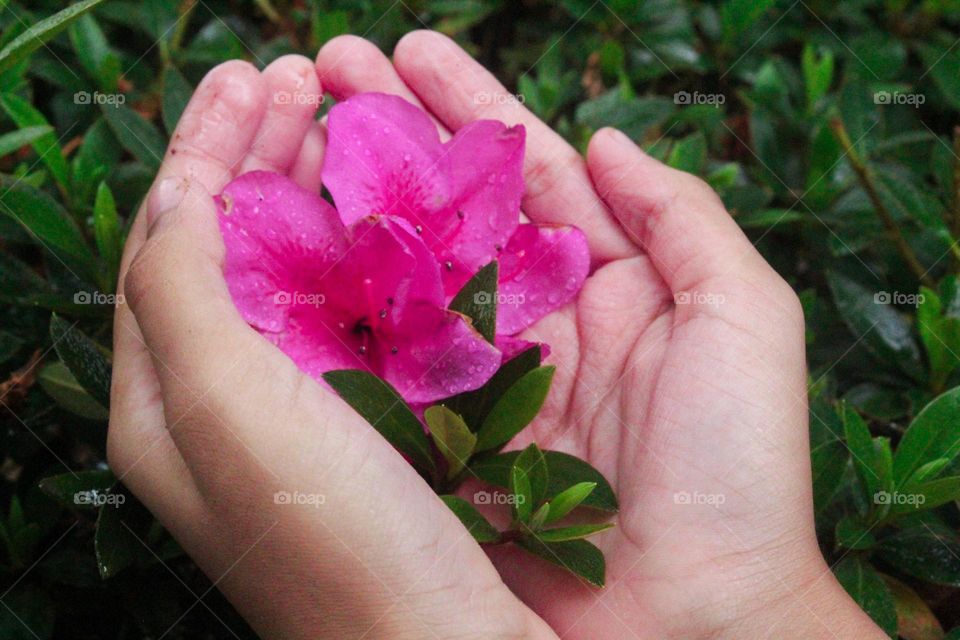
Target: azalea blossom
pixel 368 295
pixel 385 157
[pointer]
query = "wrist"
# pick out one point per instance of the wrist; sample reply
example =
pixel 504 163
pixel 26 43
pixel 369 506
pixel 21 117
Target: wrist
pixel 812 606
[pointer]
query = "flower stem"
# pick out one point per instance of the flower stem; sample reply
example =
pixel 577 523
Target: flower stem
pixel 865 175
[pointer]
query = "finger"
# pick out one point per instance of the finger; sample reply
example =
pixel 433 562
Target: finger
pixel 141 452
pixel 217 127
pixel 211 138
pixel 677 218
pixel 458 90
pixel 293 96
pixel 348 65
pixel 306 168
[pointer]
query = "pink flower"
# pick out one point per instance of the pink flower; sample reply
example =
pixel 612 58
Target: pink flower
pixel 365 296
pixel 385 157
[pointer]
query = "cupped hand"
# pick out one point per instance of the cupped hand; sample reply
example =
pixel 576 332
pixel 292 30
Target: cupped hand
pixel 680 375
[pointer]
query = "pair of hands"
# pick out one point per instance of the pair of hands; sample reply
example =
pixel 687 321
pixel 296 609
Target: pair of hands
pixel 705 399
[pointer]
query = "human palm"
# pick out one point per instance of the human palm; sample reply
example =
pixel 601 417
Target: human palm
pixel 680 372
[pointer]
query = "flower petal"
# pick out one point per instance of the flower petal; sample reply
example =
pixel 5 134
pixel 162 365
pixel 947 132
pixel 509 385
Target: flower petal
pixel 541 269
pixel 486 165
pixel 384 156
pixel 446 357
pixel 275 234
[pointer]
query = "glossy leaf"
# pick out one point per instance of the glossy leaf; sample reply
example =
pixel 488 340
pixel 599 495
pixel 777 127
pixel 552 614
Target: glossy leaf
pixel 563 470
pixel 478 300
pixel 35 36
pixel 576 556
pixel 83 358
pixel 515 409
pixel 868 590
pixel 452 437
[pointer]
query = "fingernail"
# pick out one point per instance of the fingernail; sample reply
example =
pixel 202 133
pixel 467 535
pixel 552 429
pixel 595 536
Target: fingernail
pixel 619 137
pixel 165 196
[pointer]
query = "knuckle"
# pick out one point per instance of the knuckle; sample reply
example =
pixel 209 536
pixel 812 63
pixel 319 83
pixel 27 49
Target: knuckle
pixel 546 176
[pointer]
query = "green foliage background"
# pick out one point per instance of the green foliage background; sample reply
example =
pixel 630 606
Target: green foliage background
pixel 827 127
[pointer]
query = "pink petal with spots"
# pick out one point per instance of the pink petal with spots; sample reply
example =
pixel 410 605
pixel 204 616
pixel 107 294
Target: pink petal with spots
pixel 541 269
pixel 364 297
pixel 384 156
pixel 274 231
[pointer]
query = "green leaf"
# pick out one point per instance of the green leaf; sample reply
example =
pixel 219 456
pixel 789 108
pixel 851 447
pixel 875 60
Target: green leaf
pixel 852 533
pixel 66 487
pixel 929 553
pixel 135 134
pixel 106 228
pixel 931 436
pixel 478 526
pixel 539 517
pixel 568 500
pixel 942 62
pixel 42 216
pixel 634 116
pixel 96 158
pixel 478 301
pixel 927 495
pixel 940 335
pixel 83 358
pixel 380 405
pixel 452 437
pixel 522 493
pixel 861 447
pixel 14 140
pixel 817 74
pixel 176 95
pixel 868 590
pixel 115 546
pixel 574 532
pixel 532 464
pixel 34 37
pixel 881 328
pixel 737 16
pixel 689 154
pixel 515 409
pixel 47 147
pixel 63 387
pixel 768 218
pixel 93 52
pixel 829 460
pixel 563 471
pixel 576 556
pixel 475 405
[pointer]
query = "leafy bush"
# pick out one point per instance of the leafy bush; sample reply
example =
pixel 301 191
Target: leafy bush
pixel 825 126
